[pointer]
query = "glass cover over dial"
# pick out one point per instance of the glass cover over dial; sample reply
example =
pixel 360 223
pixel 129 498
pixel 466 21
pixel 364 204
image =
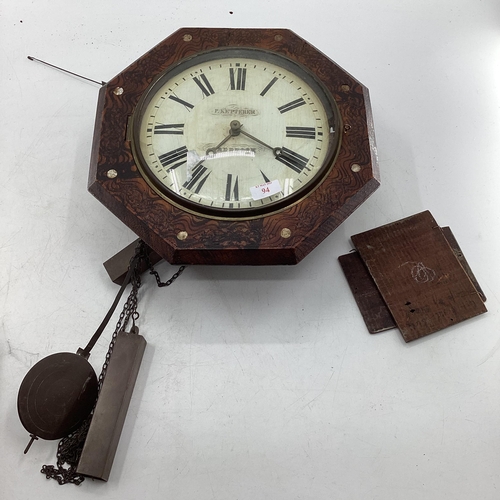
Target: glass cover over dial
pixel 235 133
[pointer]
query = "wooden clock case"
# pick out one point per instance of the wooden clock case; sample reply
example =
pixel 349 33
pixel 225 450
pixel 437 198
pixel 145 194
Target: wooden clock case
pixel 181 237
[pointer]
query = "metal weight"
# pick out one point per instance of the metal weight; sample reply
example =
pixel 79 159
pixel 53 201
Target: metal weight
pixel 109 415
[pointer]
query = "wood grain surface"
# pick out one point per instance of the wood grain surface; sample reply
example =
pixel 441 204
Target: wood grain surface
pixel 418 275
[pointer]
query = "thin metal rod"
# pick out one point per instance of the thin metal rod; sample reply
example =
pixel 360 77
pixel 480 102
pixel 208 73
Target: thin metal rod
pixel 31 58
pixel 33 437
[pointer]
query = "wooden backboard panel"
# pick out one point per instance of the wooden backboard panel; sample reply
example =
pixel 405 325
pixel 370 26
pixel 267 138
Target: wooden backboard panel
pixel 369 300
pixel 418 275
pixel 461 258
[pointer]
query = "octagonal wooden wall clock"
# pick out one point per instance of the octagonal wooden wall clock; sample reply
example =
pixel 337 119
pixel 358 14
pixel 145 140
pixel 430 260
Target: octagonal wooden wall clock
pixel 233 146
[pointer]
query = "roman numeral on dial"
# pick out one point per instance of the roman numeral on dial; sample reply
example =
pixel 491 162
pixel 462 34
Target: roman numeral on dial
pixel 268 86
pixel 200 175
pixel 174 128
pixel 291 105
pixel 237 78
pixel 232 191
pixel 301 132
pixel 181 101
pixel 205 86
pixel 293 160
pixel 167 159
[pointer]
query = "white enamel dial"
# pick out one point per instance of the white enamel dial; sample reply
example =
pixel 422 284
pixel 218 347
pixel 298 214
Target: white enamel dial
pixel 235 133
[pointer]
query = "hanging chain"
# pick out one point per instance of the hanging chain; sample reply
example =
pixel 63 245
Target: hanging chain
pixel 153 271
pixel 129 310
pixel 69 451
pixel 70 447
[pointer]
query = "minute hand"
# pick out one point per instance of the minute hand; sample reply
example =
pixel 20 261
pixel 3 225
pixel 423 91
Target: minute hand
pixel 276 151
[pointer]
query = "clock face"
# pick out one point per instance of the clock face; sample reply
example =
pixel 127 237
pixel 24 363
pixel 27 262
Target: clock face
pixel 235 133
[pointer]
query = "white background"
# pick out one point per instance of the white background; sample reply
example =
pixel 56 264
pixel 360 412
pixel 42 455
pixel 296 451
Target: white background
pixel 259 383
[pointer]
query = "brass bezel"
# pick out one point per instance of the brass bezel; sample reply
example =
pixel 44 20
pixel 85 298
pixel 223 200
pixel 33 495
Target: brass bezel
pixel 334 146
